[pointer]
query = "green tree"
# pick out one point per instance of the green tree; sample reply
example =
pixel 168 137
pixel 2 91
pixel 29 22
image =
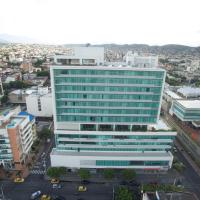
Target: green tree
pixel 128 174
pixel 16 85
pixel 179 166
pixel 39 62
pixel 56 172
pixel 4 99
pixel 43 73
pixel 123 193
pixel 84 174
pixel 108 174
pixel 45 134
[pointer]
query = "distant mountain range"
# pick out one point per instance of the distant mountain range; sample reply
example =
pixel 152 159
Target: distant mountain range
pixel 169 49
pixel 6 38
pixel 164 49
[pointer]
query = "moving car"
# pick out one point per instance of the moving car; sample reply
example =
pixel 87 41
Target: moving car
pixel 82 188
pixel 45 197
pixel 35 195
pixel 59 198
pixel 54 181
pixel 18 180
pixel 56 186
pixel 85 182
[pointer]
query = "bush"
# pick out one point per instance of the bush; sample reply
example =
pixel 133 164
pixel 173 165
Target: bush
pixel 43 73
pixel 108 174
pixel 84 174
pixel 178 166
pixel 128 174
pixel 56 172
pixel 162 187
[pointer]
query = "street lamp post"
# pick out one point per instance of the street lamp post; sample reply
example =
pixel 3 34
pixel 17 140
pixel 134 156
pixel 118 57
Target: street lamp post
pixel 113 193
pixel 44 165
pixel 2 193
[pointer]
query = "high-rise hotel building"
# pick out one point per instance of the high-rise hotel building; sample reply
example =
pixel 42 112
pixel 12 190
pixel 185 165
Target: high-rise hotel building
pixel 102 115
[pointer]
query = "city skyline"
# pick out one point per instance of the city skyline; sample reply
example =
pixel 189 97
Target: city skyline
pixel 61 22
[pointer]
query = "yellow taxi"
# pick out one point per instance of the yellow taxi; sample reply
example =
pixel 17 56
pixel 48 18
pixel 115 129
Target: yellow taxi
pixel 18 180
pixel 82 188
pixel 45 197
pixel 54 181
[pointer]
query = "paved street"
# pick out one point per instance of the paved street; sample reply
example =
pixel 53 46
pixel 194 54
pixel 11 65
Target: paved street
pixel 191 178
pixel 23 191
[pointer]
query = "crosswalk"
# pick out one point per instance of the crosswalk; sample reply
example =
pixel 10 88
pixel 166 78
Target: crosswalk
pixel 37 171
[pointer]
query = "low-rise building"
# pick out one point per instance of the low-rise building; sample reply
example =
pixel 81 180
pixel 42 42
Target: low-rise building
pixel 186 110
pixel 26 66
pixel 189 92
pixel 19 96
pixel 39 103
pixel 136 60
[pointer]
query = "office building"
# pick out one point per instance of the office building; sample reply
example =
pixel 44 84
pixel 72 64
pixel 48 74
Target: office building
pixel 102 116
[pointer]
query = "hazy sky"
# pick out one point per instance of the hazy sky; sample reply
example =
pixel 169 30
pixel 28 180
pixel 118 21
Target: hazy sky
pixel 103 21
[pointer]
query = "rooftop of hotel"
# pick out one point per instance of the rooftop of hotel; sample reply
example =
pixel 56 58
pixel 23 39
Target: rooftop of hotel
pixel 190 104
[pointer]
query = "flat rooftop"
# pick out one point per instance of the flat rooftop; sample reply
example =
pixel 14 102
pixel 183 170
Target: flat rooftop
pixel 15 121
pixel 189 91
pixel 161 125
pixel 173 94
pixel 189 104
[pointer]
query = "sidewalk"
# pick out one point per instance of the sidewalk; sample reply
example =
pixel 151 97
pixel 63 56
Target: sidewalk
pixel 142 178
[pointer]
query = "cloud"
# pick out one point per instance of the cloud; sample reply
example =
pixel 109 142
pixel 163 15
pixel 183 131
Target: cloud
pixel 100 21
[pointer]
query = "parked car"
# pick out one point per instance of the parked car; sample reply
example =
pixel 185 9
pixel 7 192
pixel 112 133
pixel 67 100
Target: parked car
pixel 35 195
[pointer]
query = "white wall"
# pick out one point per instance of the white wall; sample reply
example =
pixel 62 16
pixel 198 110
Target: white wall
pixel 96 53
pixel 46 105
pixel 84 161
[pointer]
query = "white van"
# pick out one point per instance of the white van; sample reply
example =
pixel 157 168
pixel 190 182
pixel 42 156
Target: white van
pixel 36 194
